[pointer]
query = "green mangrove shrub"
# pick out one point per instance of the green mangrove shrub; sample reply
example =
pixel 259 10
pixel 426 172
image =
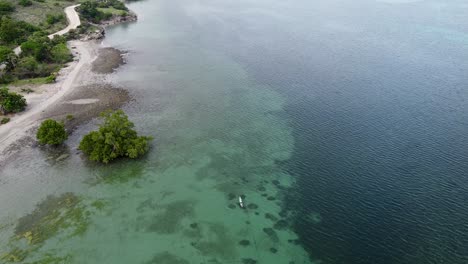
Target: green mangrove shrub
pixel 115 138
pixel 51 132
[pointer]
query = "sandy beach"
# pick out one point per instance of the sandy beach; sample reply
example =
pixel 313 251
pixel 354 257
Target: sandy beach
pixel 81 90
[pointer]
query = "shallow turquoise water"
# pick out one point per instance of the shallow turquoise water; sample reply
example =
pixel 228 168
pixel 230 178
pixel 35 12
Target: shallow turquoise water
pixel 343 123
pixel 217 134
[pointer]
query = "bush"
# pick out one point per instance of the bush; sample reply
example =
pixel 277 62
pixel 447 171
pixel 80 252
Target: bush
pixel 4 120
pixel 27 67
pixel 15 32
pixel 89 11
pixel 52 19
pixel 6 8
pixel 60 53
pixel 115 138
pixel 11 102
pixel 51 132
pixel 25 2
pixel 51 78
pixel 7 57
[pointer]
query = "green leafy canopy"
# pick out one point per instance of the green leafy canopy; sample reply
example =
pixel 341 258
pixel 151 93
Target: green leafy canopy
pixel 11 102
pixel 115 138
pixel 51 132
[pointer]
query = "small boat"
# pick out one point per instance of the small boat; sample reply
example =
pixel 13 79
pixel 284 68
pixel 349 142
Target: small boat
pixel 241 204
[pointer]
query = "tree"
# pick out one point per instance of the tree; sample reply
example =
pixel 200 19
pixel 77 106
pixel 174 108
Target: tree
pixel 9 31
pixel 51 132
pixel 7 57
pixel 25 2
pixel 15 32
pixel 27 67
pixel 60 53
pixel 6 7
pixel 115 138
pixel 89 11
pixel 52 19
pixel 38 45
pixel 11 102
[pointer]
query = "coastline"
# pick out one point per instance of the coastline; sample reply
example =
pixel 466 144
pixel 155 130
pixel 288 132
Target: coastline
pixel 81 90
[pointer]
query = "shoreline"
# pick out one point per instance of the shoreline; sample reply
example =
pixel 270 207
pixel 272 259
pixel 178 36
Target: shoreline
pixel 65 96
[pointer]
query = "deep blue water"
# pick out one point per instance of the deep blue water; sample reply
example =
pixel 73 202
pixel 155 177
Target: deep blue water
pixel 377 95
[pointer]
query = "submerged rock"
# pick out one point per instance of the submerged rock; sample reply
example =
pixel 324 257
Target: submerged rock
pixel 231 196
pixel 283 213
pixel 261 188
pixel 166 257
pixel 244 242
pixel 273 250
pixel 275 182
pixel 193 225
pixel 280 225
pixel 294 241
pixel 248 261
pixel 62 157
pixel 271 217
pixel 271 233
pixel 252 206
pixel 271 198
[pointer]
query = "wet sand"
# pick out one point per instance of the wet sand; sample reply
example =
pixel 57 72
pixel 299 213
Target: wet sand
pixel 83 81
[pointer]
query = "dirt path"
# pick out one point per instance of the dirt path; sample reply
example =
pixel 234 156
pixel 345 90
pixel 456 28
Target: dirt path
pixel 17 128
pixel 73 22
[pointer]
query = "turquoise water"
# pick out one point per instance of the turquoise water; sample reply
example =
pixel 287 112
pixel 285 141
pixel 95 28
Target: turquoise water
pixel 217 135
pixel 343 123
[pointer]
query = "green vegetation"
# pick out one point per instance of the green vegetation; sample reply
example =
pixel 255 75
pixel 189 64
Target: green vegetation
pixel 115 138
pixel 32 81
pixel 89 11
pixel 25 3
pixel 27 23
pixel 6 8
pixel 96 11
pixel 4 120
pixel 14 32
pixel 113 11
pixel 11 102
pixel 55 18
pixel 51 132
pixel 40 57
pixel 62 217
pixel 15 255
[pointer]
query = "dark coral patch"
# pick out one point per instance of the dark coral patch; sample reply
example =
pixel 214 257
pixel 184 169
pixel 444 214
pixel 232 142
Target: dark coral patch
pixel 244 242
pixel 271 217
pixel 281 224
pixel 252 206
pixel 271 233
pixel 248 261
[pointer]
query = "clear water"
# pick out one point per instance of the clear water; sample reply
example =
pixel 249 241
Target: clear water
pixel 342 122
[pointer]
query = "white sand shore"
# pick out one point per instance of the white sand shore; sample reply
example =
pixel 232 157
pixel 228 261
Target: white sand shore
pixel 72 76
